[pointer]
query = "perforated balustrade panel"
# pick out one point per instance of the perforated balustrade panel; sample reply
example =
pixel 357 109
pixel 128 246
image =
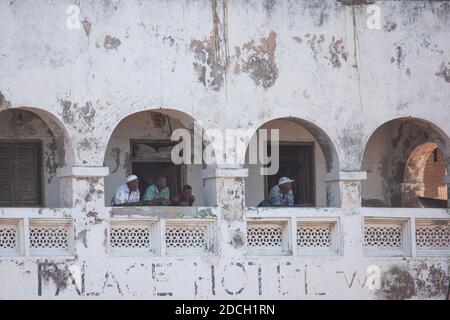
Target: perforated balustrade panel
pixel 131 236
pixel 314 236
pixel 384 236
pixel 9 232
pixel 49 237
pixel 267 237
pixel 189 237
pixel 431 236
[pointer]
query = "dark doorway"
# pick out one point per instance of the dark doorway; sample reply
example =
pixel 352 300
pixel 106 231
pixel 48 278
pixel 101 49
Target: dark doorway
pixel 151 159
pixel 20 174
pixel 148 172
pixel 296 162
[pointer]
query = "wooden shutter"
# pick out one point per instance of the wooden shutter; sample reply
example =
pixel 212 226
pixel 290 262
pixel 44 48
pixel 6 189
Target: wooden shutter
pixel 27 175
pixel 6 174
pixel 20 174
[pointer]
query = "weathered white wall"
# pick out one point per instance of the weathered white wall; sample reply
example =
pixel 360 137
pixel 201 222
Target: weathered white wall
pixel 229 64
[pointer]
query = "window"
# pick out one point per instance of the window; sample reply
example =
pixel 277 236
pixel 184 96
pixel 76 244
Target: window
pixel 151 159
pixel 296 162
pixel 20 174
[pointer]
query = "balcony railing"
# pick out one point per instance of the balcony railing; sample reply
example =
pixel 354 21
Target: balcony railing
pixel 181 231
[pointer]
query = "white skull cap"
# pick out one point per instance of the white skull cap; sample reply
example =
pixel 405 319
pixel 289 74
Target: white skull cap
pixel 131 178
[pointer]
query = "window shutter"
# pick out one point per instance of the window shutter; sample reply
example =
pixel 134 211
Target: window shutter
pixel 6 174
pixel 27 180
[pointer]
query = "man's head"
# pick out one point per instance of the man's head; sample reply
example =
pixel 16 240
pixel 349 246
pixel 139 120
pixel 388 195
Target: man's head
pixel 133 182
pixel 187 190
pixel 161 182
pixel 285 184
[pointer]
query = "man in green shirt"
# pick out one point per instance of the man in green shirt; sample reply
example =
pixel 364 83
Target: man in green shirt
pixel 157 194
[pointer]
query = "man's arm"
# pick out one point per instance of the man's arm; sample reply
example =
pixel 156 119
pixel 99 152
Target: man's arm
pixel 274 198
pixel 120 197
pixel 290 199
pixel 150 198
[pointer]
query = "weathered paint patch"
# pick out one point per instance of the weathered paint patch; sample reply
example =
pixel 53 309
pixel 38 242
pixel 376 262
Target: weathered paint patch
pixel 115 152
pixel 71 113
pixel 260 61
pixel 444 72
pixel 337 52
pixel 297 39
pixel 390 26
pixel 208 66
pixel 431 280
pixel 87 27
pixel 111 42
pixel 397 284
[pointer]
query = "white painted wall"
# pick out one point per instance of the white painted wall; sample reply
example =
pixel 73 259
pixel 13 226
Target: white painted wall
pixel 314 60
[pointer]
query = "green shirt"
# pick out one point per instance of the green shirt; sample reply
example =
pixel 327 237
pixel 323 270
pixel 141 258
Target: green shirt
pixel 152 193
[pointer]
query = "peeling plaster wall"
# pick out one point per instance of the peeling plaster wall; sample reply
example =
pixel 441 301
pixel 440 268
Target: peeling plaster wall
pixel 289 132
pixel 229 64
pixel 308 59
pixel 25 125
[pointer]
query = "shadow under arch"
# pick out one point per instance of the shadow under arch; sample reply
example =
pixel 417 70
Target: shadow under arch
pixel 394 157
pixel 48 148
pixel 294 131
pixel 149 132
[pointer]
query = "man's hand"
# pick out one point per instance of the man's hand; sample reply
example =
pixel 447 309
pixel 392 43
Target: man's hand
pixel 164 201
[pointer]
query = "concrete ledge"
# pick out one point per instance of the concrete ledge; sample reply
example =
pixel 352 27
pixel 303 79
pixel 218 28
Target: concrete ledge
pixel 346 176
pixel 82 172
pixel 224 173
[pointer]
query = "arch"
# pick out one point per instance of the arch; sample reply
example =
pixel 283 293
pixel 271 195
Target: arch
pixel 300 136
pixel 186 119
pixel 321 136
pixel 435 132
pixel 415 166
pixel 30 127
pixel 141 131
pixel 394 157
pixel 62 137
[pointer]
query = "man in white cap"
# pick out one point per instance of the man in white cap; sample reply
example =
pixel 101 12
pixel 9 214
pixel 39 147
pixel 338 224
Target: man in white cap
pixel 128 194
pixel 281 195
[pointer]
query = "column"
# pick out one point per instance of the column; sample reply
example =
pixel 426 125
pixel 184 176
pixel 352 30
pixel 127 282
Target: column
pixel 344 188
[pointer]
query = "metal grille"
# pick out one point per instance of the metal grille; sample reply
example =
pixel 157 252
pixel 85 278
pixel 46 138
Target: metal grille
pixel 269 235
pixel 432 237
pixel 49 237
pixel 186 237
pixel 383 236
pixel 314 236
pixel 8 236
pixel 130 237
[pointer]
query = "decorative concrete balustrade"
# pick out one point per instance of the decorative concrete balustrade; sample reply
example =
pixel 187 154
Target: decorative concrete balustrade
pixel 281 245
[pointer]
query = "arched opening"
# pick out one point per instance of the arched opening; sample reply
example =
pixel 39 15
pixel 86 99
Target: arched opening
pixel 141 145
pixel 33 145
pixel 306 155
pixel 423 184
pixel 405 164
